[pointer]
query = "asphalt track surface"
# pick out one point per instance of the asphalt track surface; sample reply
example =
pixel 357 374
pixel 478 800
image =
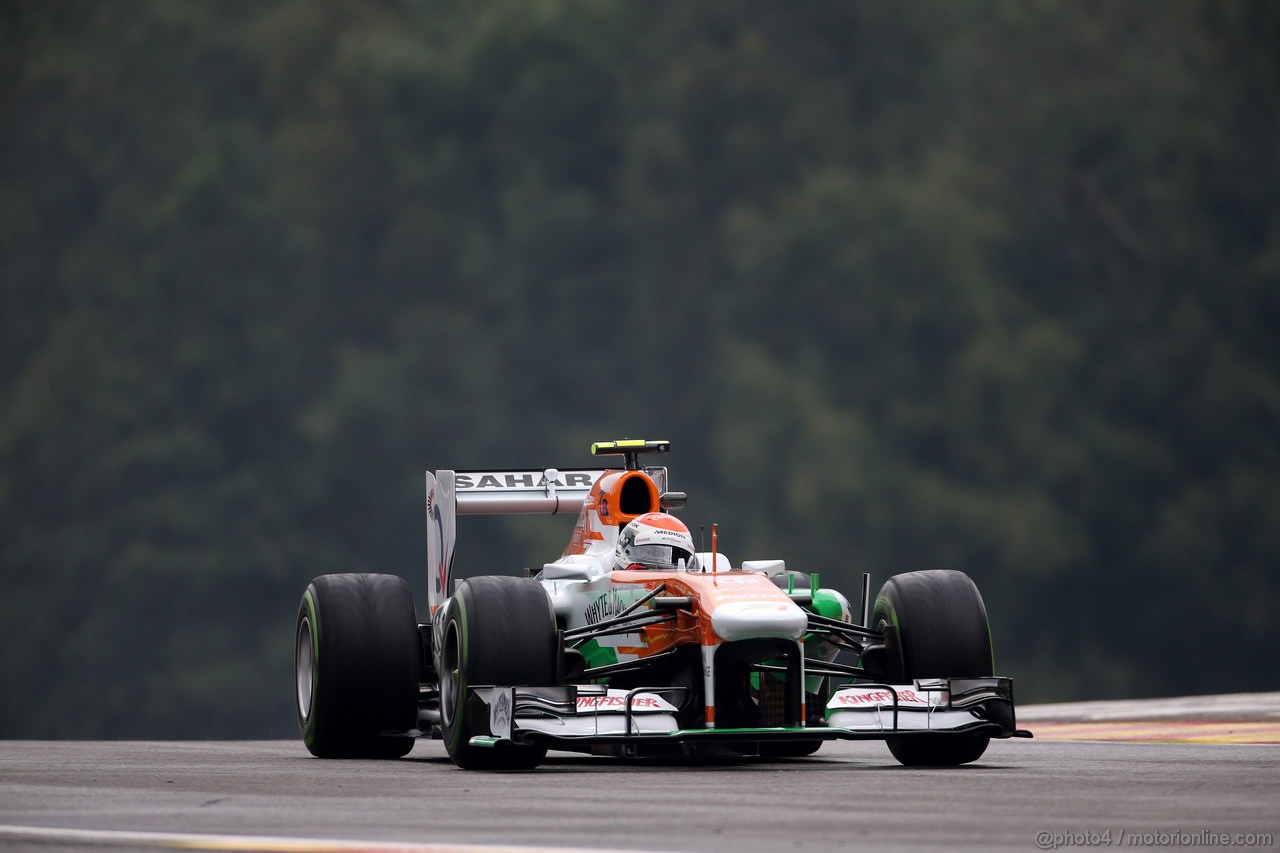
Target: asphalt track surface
pixel 258 795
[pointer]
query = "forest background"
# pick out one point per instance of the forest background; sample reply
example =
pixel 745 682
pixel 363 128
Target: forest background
pixel 986 285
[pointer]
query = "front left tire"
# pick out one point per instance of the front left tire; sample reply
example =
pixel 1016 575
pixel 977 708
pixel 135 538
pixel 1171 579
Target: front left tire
pixel 935 626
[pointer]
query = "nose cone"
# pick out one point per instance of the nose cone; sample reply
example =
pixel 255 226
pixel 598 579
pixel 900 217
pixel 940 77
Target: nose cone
pixel 746 620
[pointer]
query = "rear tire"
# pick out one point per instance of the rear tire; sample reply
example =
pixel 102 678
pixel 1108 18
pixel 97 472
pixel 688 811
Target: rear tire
pixel 941 632
pixel 497 631
pixel 358 656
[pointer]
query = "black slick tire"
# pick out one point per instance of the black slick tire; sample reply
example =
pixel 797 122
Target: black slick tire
pixel 357 661
pixel 935 626
pixel 497 631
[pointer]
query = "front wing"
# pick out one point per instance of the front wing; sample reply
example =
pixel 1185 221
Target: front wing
pixel 595 719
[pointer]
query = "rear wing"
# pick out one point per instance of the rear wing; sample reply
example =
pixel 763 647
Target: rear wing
pixel 535 491
pixel 549 491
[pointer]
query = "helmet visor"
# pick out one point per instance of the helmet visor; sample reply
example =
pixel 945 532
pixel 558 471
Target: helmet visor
pixel 661 556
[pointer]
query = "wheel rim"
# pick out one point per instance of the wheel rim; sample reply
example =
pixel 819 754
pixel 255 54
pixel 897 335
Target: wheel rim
pixel 305 668
pixel 449 678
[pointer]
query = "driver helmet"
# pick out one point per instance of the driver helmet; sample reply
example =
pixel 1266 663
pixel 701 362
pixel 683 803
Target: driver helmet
pixel 655 540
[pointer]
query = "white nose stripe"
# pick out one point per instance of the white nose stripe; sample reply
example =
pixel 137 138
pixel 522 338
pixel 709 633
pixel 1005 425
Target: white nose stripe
pixel 742 620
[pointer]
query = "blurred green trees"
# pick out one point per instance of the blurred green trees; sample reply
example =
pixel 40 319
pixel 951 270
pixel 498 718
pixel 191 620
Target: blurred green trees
pixel 994 286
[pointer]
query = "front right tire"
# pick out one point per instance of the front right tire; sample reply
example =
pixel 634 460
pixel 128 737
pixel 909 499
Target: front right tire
pixel 497 631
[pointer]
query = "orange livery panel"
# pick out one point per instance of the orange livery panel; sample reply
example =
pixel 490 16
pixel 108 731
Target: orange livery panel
pixel 615 499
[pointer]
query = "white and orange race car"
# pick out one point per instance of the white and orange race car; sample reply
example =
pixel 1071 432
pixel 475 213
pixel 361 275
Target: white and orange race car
pixel 635 643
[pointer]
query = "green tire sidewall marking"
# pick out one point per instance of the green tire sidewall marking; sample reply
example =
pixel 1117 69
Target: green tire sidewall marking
pixel 991 645
pixel 460 681
pixel 885 605
pixel 309 725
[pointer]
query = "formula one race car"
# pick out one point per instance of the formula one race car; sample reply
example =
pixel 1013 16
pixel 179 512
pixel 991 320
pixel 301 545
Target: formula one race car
pixel 634 643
